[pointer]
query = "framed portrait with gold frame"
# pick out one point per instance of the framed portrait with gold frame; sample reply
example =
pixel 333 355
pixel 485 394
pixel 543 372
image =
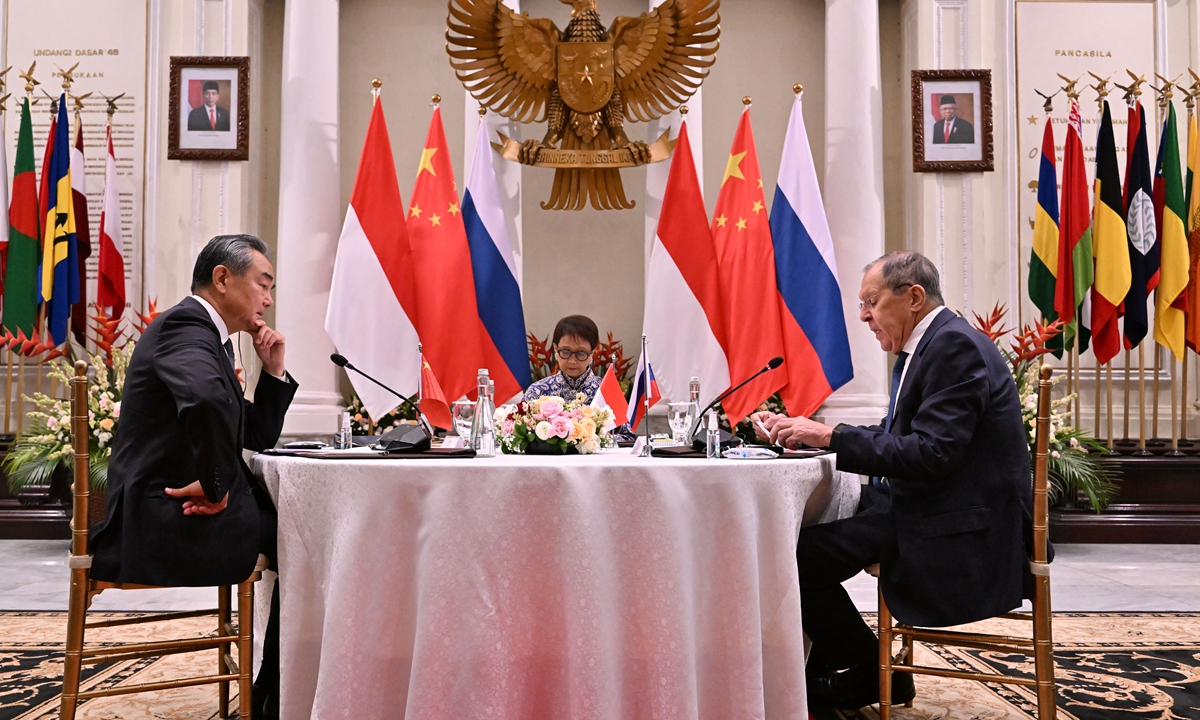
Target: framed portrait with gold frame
pixel 952 121
pixel 209 112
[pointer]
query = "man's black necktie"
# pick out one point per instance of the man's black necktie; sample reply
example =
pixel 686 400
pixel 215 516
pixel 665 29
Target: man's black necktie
pixel 897 372
pixel 229 351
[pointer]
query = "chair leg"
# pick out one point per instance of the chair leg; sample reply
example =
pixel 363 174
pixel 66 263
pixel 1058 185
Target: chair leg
pixel 885 659
pixel 907 644
pixel 223 617
pixel 76 617
pixel 1043 644
pixel 245 648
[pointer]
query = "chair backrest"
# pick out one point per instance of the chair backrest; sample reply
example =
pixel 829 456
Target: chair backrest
pixel 1041 481
pixel 80 432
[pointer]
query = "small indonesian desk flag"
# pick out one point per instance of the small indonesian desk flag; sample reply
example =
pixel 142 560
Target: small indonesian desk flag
pixel 433 400
pixel 610 396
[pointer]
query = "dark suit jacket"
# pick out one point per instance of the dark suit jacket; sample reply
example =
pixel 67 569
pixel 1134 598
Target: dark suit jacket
pixel 184 418
pixel 957 461
pixel 960 132
pixel 198 119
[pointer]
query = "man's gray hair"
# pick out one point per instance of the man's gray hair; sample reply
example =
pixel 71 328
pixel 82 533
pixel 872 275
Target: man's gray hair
pixel 235 252
pixel 904 268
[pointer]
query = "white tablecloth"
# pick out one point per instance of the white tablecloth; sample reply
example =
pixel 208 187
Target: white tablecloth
pixel 604 586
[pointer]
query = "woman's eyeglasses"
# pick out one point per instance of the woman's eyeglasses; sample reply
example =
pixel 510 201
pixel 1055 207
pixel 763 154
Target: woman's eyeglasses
pixel 579 355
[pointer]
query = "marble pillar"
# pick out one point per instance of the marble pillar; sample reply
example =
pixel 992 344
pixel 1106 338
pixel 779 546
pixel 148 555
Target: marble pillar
pixel 309 210
pixel 854 191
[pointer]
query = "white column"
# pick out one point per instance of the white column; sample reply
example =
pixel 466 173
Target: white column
pixel 854 191
pixel 309 209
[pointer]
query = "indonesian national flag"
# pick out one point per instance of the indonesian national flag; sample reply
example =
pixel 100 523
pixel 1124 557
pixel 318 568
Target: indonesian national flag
pixel 684 318
pixel 110 280
pixel 746 265
pixel 610 396
pixel 433 400
pixel 372 298
pixel 83 235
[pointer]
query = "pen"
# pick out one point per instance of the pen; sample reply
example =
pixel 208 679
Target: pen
pixel 763 428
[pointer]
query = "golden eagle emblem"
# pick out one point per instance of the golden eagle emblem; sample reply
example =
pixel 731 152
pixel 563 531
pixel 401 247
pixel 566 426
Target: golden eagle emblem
pixel 583 82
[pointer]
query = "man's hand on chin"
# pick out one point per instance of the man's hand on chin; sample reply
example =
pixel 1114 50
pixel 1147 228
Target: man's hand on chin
pixel 793 432
pixel 269 345
pixel 196 503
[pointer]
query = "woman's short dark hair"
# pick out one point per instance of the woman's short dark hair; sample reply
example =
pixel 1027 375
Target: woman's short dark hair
pixel 235 252
pixel 581 326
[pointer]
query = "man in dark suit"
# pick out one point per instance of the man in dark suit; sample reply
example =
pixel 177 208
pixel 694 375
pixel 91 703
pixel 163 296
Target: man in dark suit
pixel 951 129
pixel 209 116
pixel 945 512
pixel 183 507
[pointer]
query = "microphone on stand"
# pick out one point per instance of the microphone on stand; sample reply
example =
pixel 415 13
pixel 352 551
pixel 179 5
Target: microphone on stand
pixel 406 438
pixel 700 444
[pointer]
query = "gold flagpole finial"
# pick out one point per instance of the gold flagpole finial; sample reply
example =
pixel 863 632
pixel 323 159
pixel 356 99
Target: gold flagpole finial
pixel 4 100
pixel 53 102
pixel 1135 86
pixel 1069 88
pixel 1101 88
pixel 1048 105
pixel 797 88
pixel 4 82
pixel 683 111
pixel 27 76
pixel 79 102
pixel 482 111
pixel 437 99
pixel 746 101
pixel 375 85
pixel 112 104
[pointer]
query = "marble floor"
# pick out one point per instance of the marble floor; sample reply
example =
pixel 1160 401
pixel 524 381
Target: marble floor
pixel 34 576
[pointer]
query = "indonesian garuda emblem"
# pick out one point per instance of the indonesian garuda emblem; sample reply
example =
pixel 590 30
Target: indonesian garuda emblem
pixel 583 82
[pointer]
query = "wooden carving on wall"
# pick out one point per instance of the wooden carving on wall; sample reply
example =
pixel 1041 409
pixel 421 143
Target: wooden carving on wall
pixel 584 82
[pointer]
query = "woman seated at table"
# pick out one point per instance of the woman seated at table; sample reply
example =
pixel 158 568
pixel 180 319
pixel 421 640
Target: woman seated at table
pixel 575 340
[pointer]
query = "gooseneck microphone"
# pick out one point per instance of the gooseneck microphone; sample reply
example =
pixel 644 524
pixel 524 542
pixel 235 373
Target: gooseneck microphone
pixel 401 438
pixel 774 363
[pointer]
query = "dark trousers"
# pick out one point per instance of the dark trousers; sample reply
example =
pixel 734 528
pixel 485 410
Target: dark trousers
pixel 266 685
pixel 827 555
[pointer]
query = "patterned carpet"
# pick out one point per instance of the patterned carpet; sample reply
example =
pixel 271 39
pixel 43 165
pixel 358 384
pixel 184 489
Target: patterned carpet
pixel 1127 666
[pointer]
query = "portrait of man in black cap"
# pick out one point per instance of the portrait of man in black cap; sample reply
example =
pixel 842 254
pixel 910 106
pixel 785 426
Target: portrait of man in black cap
pixel 951 129
pixel 209 116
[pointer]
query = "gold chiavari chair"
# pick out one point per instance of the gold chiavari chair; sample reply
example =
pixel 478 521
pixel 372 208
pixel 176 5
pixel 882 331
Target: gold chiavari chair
pixel 1040 646
pixel 84 590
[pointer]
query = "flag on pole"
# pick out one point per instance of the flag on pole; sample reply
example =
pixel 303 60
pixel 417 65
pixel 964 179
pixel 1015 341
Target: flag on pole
pixel 684 316
pixel 644 385
pixel 3 202
pixel 1043 259
pixel 1140 228
pixel 110 279
pixel 60 270
pixel 609 395
pixel 24 229
pixel 497 293
pixel 433 400
pixel 1192 321
pixel 447 311
pixel 746 268
pixel 372 298
pixel 1171 295
pixel 83 235
pixel 1109 244
pixel 1075 264
pixel 816 346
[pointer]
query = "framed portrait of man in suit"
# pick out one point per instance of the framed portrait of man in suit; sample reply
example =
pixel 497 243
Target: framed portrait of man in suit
pixel 952 120
pixel 209 116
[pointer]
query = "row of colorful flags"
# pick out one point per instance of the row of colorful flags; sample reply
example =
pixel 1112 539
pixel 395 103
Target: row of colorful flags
pixel 723 297
pixel 1094 263
pixel 48 238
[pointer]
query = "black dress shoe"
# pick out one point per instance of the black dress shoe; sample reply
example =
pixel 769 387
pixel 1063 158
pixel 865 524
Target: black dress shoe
pixel 857 687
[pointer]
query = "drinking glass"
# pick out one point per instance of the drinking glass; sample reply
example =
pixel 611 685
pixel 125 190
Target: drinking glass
pixel 463 412
pixel 678 417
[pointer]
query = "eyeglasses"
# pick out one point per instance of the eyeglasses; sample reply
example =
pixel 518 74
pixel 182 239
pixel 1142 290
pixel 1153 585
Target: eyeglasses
pixel 873 300
pixel 579 355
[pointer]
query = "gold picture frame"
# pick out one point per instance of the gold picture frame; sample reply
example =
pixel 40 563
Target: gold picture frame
pixel 952 121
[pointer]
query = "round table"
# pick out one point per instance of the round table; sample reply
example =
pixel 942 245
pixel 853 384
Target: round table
pixel 600 586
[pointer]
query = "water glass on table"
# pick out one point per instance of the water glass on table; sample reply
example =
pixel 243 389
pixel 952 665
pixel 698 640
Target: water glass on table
pixel 463 412
pixel 679 417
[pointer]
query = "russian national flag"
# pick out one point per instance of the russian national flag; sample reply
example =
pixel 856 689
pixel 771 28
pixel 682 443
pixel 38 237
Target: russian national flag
pixel 643 384
pixel 684 317
pixel 372 297
pixel 816 346
pixel 497 293
pixel 610 396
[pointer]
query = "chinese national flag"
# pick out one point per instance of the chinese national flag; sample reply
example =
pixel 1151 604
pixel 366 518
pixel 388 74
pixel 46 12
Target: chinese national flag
pixel 433 400
pixel 746 268
pixel 447 313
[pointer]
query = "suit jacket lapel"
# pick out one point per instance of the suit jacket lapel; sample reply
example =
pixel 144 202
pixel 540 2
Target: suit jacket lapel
pixel 914 362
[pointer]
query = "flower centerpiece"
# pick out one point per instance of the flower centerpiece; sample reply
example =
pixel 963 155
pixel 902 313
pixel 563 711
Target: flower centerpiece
pixel 1072 465
pixel 551 425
